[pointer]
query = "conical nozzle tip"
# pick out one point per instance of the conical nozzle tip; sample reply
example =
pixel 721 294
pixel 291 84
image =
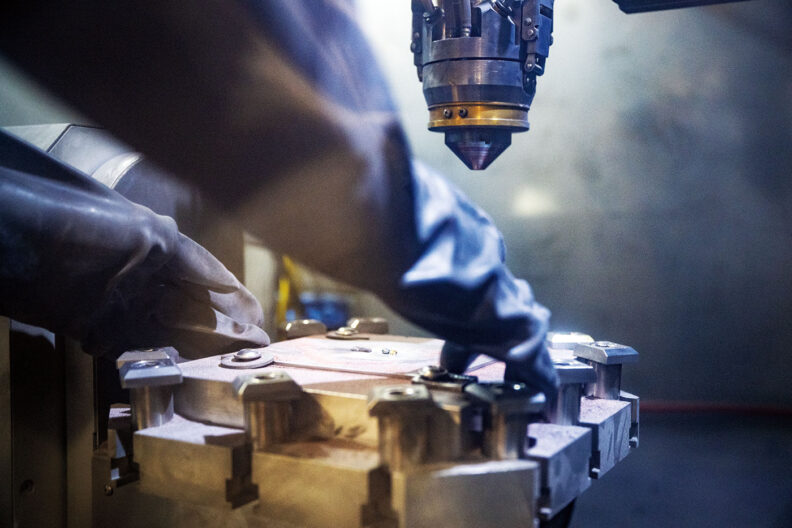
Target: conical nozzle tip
pixel 478 147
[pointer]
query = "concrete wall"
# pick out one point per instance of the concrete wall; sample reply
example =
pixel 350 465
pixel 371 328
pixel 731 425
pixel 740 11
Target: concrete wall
pixel 650 203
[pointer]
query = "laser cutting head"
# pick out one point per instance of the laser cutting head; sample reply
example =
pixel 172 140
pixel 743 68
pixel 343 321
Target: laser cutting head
pixel 478 61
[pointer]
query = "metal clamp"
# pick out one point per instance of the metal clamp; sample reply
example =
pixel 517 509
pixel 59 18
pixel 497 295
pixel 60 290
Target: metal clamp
pixel 510 408
pixel 150 375
pixel 573 375
pixel 301 328
pixel 369 325
pixel 267 400
pixel 607 359
pixel 402 413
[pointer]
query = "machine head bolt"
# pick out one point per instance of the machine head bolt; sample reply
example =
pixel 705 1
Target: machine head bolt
pixel 463 112
pixel 448 113
pixel 247 354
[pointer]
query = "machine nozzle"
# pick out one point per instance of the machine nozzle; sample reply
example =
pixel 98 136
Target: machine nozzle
pixel 478 147
pixel 478 61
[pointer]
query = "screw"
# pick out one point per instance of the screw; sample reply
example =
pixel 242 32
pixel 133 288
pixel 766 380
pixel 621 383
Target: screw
pixel 447 113
pixel 247 355
pixel 148 364
pixel 432 372
pixel 528 21
pixel 108 490
pixel 463 112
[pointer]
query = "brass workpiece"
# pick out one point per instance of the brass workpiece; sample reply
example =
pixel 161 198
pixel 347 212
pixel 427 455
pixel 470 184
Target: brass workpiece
pixel 478 114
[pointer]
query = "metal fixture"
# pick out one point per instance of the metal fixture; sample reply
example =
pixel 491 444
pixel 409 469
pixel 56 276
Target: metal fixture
pixel 607 359
pixel 402 413
pixel 301 328
pixel 572 376
pixel 379 440
pixel 151 376
pixel 369 325
pixel 510 407
pixel 267 399
pixel 346 333
pixel 247 358
pixel 478 62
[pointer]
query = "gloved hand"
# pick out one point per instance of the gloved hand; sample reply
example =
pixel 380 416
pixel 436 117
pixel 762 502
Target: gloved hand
pixel 79 259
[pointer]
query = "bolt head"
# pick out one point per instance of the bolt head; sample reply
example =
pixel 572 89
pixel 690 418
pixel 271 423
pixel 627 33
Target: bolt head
pixel 247 354
pixel 271 385
pixel 399 399
pixel 606 353
pixel 433 372
pixel 447 113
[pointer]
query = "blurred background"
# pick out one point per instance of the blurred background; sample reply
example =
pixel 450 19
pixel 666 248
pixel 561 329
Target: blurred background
pixel 651 205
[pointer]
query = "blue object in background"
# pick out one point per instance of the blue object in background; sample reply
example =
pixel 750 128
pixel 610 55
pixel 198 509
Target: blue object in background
pixel 330 308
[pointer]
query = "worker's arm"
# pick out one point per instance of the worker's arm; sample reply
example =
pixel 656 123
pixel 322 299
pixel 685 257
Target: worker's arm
pixel 79 259
pixel 277 110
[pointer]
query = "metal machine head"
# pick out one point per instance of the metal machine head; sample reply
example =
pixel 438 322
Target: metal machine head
pixel 478 61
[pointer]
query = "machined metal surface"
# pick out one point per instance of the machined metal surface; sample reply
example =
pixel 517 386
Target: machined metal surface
pixel 563 454
pixel 302 444
pixel 609 421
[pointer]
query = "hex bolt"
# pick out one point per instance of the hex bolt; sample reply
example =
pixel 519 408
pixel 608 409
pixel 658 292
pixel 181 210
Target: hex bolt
pixel 402 413
pixel 267 400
